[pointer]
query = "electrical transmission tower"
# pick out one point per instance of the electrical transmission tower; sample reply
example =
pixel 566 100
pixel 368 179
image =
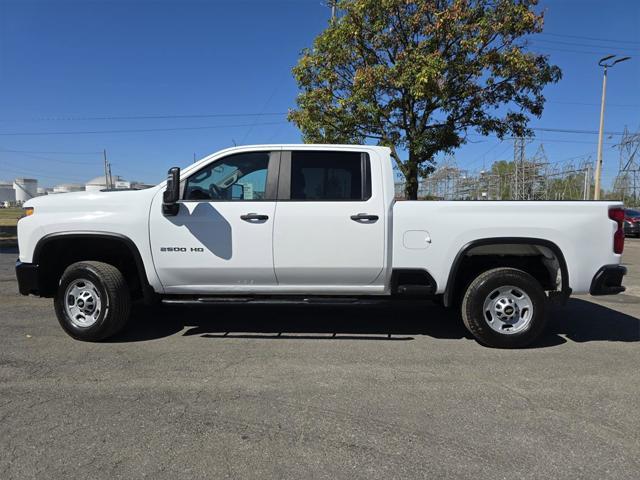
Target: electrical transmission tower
pixel 529 179
pixel 627 183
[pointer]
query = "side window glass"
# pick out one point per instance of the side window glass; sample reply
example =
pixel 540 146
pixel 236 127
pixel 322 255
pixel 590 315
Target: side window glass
pixel 241 177
pixel 326 176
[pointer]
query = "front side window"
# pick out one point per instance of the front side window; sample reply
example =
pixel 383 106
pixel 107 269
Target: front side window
pixel 326 176
pixel 241 177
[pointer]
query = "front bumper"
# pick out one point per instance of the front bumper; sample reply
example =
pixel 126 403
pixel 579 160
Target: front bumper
pixel 28 278
pixel 608 280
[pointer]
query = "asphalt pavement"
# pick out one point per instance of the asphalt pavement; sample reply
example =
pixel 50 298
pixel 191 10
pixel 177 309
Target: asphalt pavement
pixel 319 392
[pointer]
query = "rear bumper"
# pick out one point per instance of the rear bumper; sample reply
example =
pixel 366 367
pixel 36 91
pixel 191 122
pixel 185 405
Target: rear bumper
pixel 28 278
pixel 608 280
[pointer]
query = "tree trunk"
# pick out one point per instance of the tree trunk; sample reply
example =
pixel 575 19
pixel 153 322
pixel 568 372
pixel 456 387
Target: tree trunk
pixel 411 179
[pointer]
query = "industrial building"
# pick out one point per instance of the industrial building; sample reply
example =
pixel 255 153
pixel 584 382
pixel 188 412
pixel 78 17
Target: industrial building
pixel 7 193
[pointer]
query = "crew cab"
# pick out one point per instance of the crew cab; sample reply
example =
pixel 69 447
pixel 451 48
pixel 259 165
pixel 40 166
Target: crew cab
pixel 312 223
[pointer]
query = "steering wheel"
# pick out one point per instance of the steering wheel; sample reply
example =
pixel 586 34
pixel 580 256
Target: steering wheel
pixel 215 192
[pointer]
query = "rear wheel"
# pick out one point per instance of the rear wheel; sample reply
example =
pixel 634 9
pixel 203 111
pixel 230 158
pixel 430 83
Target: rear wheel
pixel 93 301
pixel 504 308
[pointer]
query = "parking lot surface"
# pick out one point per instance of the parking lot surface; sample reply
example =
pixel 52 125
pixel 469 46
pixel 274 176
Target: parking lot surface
pixel 319 392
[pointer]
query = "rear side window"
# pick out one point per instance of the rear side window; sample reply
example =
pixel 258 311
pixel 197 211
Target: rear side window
pixel 327 176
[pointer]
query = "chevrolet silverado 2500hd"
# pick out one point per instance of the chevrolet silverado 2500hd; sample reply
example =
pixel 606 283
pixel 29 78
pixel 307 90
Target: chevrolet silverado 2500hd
pixel 312 223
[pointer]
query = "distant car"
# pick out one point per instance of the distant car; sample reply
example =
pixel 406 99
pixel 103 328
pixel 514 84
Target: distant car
pixel 631 223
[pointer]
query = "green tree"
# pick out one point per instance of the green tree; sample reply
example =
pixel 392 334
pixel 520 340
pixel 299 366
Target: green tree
pixel 504 171
pixel 416 75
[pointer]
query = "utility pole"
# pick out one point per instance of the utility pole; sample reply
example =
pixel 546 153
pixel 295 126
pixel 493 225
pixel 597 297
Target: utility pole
pixel 110 178
pixel 596 193
pixel 332 4
pixel 106 169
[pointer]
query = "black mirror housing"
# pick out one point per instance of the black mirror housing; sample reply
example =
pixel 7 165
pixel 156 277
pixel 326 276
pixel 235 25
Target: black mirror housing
pixel 171 194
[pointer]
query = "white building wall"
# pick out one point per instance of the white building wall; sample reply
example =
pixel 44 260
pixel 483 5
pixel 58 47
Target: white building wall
pixel 25 189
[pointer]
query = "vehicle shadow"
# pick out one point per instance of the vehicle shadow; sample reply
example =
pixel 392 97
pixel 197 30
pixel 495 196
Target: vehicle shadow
pixel 584 321
pixel 317 322
pixel 578 321
pixel 208 226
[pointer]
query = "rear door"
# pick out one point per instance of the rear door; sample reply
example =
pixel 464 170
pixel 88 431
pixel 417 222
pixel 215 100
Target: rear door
pixel 330 223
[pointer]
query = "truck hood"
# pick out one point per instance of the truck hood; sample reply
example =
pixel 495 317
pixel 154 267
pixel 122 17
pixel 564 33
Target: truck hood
pixel 77 201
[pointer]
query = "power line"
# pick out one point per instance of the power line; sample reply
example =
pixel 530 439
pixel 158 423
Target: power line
pixel 558 140
pixel 18 170
pixel 137 130
pixel 584 52
pixel 589 38
pixel 605 47
pixel 568 130
pixel 264 107
pixel 594 104
pixel 482 156
pixel 205 127
pixel 52 153
pixel 49 159
pixel 149 117
pixel 548 140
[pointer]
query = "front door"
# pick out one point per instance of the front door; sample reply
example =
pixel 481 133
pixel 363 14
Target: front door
pixel 221 238
pixel 330 224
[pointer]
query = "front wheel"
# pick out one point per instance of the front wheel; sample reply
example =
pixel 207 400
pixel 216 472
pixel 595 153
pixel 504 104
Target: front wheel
pixel 93 301
pixel 504 308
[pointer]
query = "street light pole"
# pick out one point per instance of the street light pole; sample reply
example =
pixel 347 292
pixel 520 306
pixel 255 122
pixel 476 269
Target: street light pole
pixel 596 193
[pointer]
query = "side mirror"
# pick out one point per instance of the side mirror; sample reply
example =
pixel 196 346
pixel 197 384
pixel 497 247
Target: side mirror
pixel 171 194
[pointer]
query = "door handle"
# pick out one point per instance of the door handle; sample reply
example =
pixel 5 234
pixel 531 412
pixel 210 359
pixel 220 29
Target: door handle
pixel 364 217
pixel 250 217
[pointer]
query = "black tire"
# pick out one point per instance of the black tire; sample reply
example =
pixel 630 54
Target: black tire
pixel 110 288
pixel 476 319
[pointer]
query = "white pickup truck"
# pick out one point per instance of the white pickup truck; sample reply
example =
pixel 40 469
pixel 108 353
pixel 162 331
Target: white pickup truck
pixel 312 223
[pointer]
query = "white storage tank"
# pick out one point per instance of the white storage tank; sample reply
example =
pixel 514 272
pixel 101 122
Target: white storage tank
pixel 7 193
pixel 26 189
pixel 67 188
pixel 99 183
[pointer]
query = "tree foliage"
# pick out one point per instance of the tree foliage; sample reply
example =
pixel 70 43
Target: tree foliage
pixel 416 75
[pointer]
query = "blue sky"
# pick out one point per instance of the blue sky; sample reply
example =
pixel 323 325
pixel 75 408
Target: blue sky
pixel 63 61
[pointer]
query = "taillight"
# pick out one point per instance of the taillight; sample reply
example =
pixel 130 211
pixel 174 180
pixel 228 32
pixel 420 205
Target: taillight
pixel 617 215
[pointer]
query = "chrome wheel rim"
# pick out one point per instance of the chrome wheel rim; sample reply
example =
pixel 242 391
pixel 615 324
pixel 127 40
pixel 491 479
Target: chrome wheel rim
pixel 508 310
pixel 82 303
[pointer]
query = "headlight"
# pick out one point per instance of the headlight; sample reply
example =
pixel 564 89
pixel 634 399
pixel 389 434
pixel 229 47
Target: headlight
pixel 28 211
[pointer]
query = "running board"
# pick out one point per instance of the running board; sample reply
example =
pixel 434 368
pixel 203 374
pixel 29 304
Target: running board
pixel 214 300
